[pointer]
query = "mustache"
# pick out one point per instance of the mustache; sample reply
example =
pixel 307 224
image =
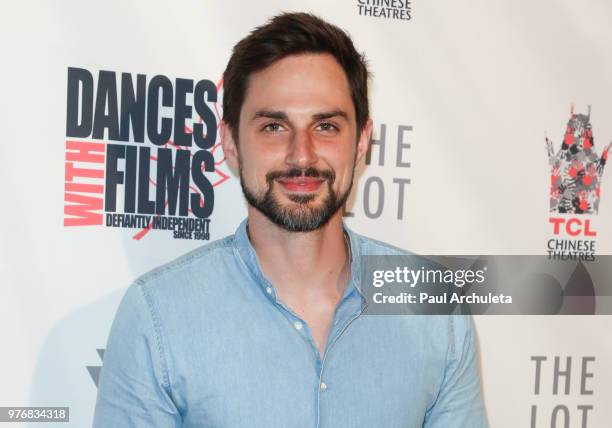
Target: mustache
pixel 325 174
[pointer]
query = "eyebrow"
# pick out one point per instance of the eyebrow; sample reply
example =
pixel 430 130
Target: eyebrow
pixel 330 114
pixel 270 114
pixel 281 115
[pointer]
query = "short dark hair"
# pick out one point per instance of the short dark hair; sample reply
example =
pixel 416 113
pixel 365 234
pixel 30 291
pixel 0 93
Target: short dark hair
pixel 292 34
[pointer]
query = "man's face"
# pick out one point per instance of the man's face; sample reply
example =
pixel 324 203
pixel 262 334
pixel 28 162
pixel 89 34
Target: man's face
pixel 298 142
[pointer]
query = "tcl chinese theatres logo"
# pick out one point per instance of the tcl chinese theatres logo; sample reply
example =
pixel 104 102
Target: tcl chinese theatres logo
pixel 576 169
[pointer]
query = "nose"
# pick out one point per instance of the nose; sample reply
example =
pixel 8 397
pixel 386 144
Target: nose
pixel 302 153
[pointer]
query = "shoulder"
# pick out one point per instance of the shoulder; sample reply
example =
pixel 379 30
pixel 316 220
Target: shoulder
pixel 219 248
pixel 199 264
pixel 462 336
pixel 391 254
pixel 369 246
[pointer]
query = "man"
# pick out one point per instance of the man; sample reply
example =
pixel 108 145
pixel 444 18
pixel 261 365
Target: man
pixel 265 328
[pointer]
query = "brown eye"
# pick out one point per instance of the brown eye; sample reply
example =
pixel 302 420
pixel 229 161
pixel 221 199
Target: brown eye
pixel 326 126
pixel 272 127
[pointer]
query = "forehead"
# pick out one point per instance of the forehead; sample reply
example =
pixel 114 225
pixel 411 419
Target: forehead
pixel 305 83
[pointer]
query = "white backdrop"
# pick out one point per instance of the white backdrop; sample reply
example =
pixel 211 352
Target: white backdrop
pixel 475 86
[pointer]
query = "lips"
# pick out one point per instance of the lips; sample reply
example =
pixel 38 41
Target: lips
pixel 301 184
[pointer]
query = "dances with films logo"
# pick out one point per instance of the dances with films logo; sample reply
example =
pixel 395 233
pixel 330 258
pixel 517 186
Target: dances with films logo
pixel 139 153
pixel 576 171
pixel 389 9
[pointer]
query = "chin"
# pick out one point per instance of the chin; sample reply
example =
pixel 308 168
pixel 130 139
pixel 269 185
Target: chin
pixel 301 198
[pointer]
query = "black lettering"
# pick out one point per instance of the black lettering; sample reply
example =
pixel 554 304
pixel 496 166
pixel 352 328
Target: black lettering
pixel 132 107
pixel 79 78
pixel 106 99
pixel 159 137
pixel 145 205
pixel 205 141
pixel 182 111
pixel 114 152
pixel 202 183
pixel 131 165
pixel 172 181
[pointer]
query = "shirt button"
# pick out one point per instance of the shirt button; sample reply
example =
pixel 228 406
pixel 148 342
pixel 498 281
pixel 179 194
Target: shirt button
pixel 269 290
pixel 323 386
pixel 297 325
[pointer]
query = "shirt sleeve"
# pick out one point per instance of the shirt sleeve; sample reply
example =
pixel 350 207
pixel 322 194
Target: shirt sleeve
pixel 459 402
pixel 134 388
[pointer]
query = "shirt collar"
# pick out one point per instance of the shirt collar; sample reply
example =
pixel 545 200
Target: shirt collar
pixel 246 252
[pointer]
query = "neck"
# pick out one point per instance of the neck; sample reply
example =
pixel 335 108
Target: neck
pixel 301 262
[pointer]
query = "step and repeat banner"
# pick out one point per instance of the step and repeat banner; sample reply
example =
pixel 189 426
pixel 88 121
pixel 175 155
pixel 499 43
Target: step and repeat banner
pixel 492 123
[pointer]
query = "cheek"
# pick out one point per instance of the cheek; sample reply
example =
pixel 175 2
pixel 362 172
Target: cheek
pixel 255 165
pixel 342 163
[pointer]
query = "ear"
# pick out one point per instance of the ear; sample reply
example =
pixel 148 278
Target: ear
pixel 230 149
pixel 364 140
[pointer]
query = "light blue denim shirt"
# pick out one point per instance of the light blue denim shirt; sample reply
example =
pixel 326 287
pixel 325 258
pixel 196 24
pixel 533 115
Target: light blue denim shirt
pixel 204 342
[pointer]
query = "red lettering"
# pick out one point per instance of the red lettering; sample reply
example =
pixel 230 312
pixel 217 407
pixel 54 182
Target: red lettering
pixel 82 211
pixel 557 222
pixel 568 227
pixel 83 187
pixel 85 152
pixel 71 172
pixel 587 229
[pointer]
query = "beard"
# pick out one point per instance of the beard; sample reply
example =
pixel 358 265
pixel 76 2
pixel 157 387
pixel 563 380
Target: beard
pixel 299 216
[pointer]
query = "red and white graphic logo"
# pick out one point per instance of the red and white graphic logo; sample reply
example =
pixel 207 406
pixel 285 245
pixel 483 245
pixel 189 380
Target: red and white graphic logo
pixel 576 169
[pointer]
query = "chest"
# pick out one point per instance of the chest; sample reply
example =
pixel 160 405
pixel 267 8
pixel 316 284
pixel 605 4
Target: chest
pixel 266 373
pixel 318 318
